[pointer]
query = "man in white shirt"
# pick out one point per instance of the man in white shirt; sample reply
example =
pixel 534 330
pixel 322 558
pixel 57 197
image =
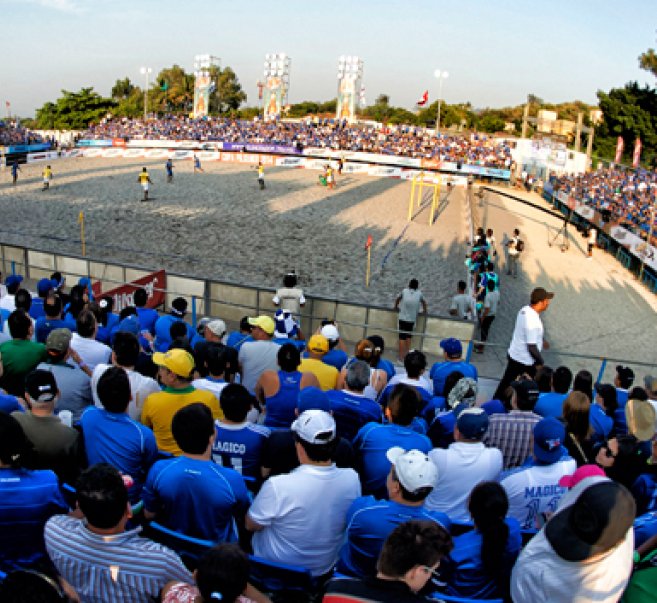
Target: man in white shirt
pixel 84 341
pixel 584 553
pixel 534 491
pixel 12 284
pixel 527 342
pixel 290 297
pixel 463 465
pixel 300 517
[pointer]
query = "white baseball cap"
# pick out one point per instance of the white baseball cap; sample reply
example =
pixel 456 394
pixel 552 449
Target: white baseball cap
pixel 315 427
pixel 330 332
pixel 414 469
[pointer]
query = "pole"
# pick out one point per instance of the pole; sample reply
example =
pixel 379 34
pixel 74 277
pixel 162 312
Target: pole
pixel 440 95
pixel 367 270
pixel 81 223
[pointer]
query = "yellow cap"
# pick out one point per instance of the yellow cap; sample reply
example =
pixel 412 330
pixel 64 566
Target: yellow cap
pixel 177 361
pixel 266 323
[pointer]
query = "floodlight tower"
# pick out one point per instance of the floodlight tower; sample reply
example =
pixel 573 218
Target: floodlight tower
pixel 350 75
pixel 277 83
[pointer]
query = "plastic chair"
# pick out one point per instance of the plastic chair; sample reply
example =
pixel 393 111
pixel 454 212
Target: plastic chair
pixel 275 577
pixel 189 549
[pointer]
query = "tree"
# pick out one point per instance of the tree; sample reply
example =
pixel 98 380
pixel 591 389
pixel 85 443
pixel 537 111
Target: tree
pixel 382 100
pixel 122 89
pixel 648 61
pixel 74 110
pixel 228 94
pixel 179 93
pixel 490 122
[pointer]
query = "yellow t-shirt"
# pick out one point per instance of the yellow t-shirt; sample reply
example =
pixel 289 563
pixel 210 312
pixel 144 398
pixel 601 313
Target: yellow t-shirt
pixel 143 177
pixel 326 374
pixel 160 407
pixel 261 171
pixel 47 174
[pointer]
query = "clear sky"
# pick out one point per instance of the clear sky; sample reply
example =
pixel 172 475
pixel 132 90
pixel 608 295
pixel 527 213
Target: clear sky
pixel 496 52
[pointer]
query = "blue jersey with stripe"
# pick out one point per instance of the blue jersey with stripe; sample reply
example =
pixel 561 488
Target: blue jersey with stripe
pixel 240 447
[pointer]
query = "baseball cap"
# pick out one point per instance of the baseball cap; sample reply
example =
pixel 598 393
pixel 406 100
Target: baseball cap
pixel 217 326
pixel 526 390
pixel 313 398
pixel 472 421
pixel 130 324
pixel 330 332
pixel 178 361
pixel 549 435
pixel 625 376
pixel 41 385
pixel 58 340
pixel 464 392
pixel 539 294
pixel 44 286
pixel 595 523
pixel 318 344
pixel 266 323
pixel 315 427
pixel 414 469
pixel 452 347
pixel 640 417
pixel 569 481
pixel 13 279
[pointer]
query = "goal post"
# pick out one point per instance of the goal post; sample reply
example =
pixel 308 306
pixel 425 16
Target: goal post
pixel 418 184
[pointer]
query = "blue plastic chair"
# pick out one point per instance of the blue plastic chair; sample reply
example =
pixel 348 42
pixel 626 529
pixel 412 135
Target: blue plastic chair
pixel 189 549
pixel 275 577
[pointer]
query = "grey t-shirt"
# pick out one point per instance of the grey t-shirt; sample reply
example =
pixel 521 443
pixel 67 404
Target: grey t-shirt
pixel 492 301
pixel 409 304
pixel 74 387
pixel 463 304
pixel 255 357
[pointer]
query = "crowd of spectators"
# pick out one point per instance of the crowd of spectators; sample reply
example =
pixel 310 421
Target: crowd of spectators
pixel 12 133
pixel 405 141
pixel 265 443
pixel 628 195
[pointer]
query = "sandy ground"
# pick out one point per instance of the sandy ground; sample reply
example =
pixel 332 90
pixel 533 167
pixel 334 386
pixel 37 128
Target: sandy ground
pixel 218 224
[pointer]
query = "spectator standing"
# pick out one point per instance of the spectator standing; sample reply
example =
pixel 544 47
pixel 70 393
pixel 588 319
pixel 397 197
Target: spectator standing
pixel 408 304
pixel 147 316
pixel 370 521
pixel 463 465
pixel 52 319
pixel 623 381
pixel 515 246
pixel 44 288
pixel 191 494
pixel 300 518
pixel 97 556
pixel 289 296
pixel 463 305
pixel 591 239
pixel 164 323
pixel 527 342
pixel 491 303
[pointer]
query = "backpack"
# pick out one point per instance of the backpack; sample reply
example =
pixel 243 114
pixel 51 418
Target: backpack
pixel 520 246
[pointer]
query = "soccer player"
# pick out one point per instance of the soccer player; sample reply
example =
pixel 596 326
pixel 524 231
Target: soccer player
pixel 145 180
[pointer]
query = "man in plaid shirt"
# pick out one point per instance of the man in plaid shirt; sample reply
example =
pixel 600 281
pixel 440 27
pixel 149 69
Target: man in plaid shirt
pixel 512 432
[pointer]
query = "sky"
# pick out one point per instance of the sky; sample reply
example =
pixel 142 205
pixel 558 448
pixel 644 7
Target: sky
pixel 496 52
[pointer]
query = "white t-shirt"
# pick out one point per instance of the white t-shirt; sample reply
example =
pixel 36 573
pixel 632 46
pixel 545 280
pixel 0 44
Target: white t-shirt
pixel 211 386
pixel 304 513
pixel 8 302
pixel 140 388
pixel 528 330
pixel 536 490
pixel 541 575
pixel 91 351
pixel 593 236
pixel 460 468
pixel 290 299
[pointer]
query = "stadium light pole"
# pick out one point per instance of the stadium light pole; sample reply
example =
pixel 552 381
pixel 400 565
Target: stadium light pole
pixel 147 72
pixel 441 75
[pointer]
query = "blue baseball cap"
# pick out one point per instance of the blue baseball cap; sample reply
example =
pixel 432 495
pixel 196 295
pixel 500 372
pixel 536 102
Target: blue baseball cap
pixel 452 347
pixel 549 436
pixel 472 421
pixel 44 286
pixel 13 279
pixel 313 398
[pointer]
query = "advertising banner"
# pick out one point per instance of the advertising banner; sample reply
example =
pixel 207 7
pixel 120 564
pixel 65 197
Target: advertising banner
pixel 273 97
pixel 384 171
pixel 156 153
pixel 290 161
pixel 47 155
pixel 27 148
pixel 284 149
pixel 202 85
pixel 636 245
pixel 155 285
pixel 94 143
pixel 346 107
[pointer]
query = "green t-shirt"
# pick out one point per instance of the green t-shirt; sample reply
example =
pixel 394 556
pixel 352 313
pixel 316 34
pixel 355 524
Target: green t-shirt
pixel 19 357
pixel 643 583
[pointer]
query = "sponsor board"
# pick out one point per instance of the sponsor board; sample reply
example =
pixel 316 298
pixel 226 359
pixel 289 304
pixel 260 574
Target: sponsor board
pixel 34 157
pixel 182 155
pixel 636 245
pixel 72 153
pixel 155 285
pixel 290 161
pixel 94 143
pixel 355 168
pixel 314 164
pixel 209 155
pixel 133 153
pixel 92 152
pixel 113 152
pixel 156 153
pixel 384 171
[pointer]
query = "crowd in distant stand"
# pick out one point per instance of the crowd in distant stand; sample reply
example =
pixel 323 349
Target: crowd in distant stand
pixel 406 141
pixel 290 447
pixel 628 195
pixel 13 134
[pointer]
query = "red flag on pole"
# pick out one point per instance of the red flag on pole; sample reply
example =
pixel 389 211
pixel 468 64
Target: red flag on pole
pixel 369 242
pixel 620 144
pixel 423 99
pixel 637 153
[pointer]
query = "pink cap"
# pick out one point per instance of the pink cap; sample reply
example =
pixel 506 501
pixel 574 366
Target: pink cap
pixel 570 481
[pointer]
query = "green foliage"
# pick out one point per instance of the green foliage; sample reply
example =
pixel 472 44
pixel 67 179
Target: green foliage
pixel 74 110
pixel 228 94
pixel 490 122
pixel 648 61
pixel 247 113
pixel 122 89
pixel 178 97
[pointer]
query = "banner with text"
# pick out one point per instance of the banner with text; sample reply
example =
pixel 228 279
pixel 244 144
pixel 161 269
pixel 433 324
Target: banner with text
pixel 155 285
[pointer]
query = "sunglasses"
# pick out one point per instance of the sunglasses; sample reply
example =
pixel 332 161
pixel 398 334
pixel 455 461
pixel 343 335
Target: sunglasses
pixel 608 453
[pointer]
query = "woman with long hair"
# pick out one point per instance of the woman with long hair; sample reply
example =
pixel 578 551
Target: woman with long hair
pixel 576 411
pixel 479 566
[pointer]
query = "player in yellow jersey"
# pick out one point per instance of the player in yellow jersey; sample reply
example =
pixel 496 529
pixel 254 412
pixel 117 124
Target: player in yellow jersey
pixel 261 175
pixel 47 177
pixel 145 180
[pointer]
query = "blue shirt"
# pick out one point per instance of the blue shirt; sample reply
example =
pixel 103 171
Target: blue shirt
pixel 27 500
pixel 441 430
pixel 600 421
pixel 550 404
pixel 440 370
pixel 104 331
pixel 463 569
pixel 116 439
pixel 36 308
pixel 147 319
pixel 371 444
pixel 335 357
pixel 388 367
pixel 240 447
pixel 163 332
pixel 9 404
pixel 198 498
pixel 282 405
pixel 645 526
pixel 236 339
pixel 44 325
pixel 369 523
pixel 352 411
